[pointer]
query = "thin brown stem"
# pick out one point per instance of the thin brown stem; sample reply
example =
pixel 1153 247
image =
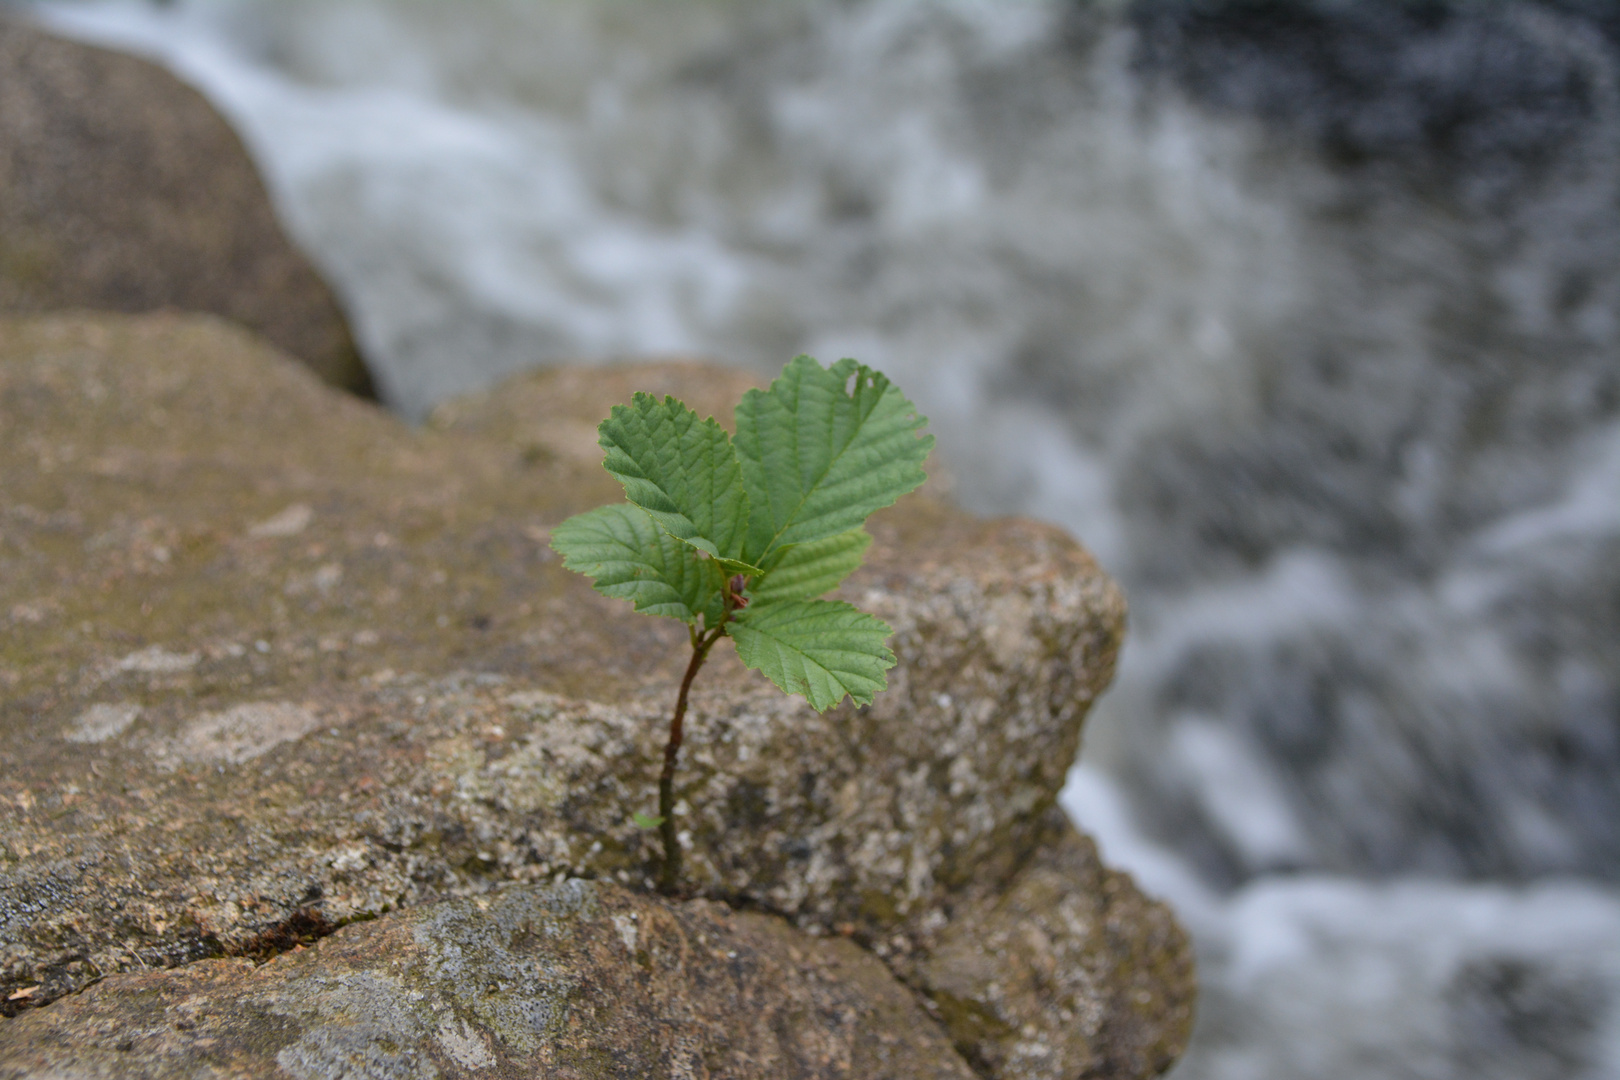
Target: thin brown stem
pixel 669 876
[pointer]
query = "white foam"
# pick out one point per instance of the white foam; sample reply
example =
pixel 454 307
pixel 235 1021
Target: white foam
pixel 1239 794
pixel 1313 975
pixel 1589 507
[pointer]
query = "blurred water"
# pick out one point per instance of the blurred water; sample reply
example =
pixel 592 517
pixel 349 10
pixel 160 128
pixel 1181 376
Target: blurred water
pixel 1305 317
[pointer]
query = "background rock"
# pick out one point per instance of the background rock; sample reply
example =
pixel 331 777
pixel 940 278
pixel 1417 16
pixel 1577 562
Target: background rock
pixel 274 662
pixel 572 980
pixel 1069 971
pixel 121 189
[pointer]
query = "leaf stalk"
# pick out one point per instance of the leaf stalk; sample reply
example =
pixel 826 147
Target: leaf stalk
pixel 669 875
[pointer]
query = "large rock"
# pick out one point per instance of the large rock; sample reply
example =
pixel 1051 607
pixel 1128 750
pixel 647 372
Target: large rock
pixel 275 662
pixel 121 189
pixel 1066 971
pixel 578 979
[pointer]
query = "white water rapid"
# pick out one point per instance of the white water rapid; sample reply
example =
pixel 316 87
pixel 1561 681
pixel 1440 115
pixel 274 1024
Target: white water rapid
pixel 1304 316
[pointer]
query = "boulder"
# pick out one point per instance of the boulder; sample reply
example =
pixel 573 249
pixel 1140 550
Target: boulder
pixel 577 979
pixel 121 189
pixel 1066 971
pixel 275 663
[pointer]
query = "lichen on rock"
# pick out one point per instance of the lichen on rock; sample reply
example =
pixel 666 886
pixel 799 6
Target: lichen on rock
pixel 574 979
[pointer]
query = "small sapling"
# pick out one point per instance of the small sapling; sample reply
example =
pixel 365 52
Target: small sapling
pixel 740 537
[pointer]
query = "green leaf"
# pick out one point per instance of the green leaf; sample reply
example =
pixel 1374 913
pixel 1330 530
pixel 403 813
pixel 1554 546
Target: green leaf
pixel 822 649
pixel 806 571
pixel 679 469
pixel 632 558
pixel 646 821
pixel 737 566
pixel 817 459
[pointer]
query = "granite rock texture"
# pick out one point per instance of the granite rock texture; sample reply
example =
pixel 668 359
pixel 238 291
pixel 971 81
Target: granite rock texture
pixel 121 189
pixel 1067 971
pixel 570 980
pixel 273 662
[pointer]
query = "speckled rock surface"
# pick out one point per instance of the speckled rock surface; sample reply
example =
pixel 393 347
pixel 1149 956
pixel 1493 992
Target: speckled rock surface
pixel 1068 971
pixel 273 661
pixel 121 189
pixel 573 980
